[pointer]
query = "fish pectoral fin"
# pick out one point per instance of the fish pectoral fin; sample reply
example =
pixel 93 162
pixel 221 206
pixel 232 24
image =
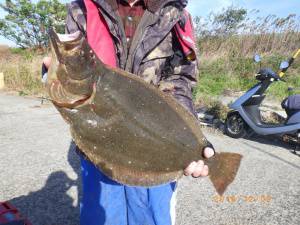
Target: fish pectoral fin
pixel 223 168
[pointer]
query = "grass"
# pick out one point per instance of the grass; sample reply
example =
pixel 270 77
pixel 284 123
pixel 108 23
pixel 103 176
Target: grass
pixel 220 74
pixel 221 70
pixel 22 70
pixel 226 57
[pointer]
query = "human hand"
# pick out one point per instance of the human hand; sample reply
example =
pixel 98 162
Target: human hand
pixel 45 67
pixel 199 169
pixel 47 61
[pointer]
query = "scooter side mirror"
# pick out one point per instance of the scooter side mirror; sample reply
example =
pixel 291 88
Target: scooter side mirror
pixel 257 58
pixel 284 65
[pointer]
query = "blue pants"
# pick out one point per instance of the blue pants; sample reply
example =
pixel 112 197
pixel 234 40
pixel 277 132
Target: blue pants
pixel 106 202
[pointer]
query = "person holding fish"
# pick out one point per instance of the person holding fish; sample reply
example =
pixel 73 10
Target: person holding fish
pixel 154 40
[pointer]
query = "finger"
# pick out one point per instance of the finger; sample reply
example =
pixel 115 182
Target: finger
pixel 47 61
pixel 205 171
pixel 198 170
pixel 208 152
pixel 190 169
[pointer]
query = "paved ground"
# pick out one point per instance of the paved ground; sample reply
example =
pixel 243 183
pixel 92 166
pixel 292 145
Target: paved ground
pixel 40 175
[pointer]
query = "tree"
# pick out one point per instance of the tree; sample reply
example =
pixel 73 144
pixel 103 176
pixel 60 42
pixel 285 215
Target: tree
pixel 228 21
pixel 27 23
pixel 224 23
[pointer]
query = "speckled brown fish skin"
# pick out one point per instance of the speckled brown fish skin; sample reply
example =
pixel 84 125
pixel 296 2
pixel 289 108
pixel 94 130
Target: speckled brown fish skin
pixel 133 132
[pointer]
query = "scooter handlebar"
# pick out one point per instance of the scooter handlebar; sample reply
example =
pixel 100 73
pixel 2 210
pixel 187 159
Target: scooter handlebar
pixel 290 61
pixel 268 73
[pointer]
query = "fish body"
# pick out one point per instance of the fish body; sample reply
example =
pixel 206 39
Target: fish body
pixel 135 133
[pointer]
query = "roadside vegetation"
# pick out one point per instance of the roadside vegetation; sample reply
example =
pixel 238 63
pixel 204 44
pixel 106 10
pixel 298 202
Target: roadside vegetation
pixel 227 43
pixel 229 40
pixel 22 70
pixel 26 24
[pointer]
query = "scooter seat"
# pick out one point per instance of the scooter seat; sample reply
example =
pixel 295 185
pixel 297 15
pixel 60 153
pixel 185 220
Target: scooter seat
pixel 291 104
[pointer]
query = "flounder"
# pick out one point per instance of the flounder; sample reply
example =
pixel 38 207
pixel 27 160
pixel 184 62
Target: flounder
pixel 133 132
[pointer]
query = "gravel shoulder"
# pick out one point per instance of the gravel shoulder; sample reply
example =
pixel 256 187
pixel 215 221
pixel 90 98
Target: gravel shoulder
pixel 40 174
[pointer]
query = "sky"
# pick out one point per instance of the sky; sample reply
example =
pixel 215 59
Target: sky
pixel 280 8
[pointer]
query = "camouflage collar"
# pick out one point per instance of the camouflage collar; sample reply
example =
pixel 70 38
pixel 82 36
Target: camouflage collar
pixel 152 5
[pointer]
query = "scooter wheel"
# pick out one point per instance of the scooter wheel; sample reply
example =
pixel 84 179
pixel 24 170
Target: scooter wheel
pixel 235 126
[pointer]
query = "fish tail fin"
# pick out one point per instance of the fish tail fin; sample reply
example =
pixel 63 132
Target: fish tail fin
pixel 223 168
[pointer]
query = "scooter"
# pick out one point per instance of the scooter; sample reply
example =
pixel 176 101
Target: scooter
pixel 245 115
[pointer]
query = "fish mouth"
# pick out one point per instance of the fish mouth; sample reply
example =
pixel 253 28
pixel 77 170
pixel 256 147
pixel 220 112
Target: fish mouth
pixel 69 37
pixel 64 42
pixel 63 46
pixel 64 38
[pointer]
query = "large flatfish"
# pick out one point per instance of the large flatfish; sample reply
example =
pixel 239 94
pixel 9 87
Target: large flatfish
pixel 135 133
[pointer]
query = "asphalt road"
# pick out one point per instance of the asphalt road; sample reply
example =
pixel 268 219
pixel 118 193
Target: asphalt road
pixel 39 174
